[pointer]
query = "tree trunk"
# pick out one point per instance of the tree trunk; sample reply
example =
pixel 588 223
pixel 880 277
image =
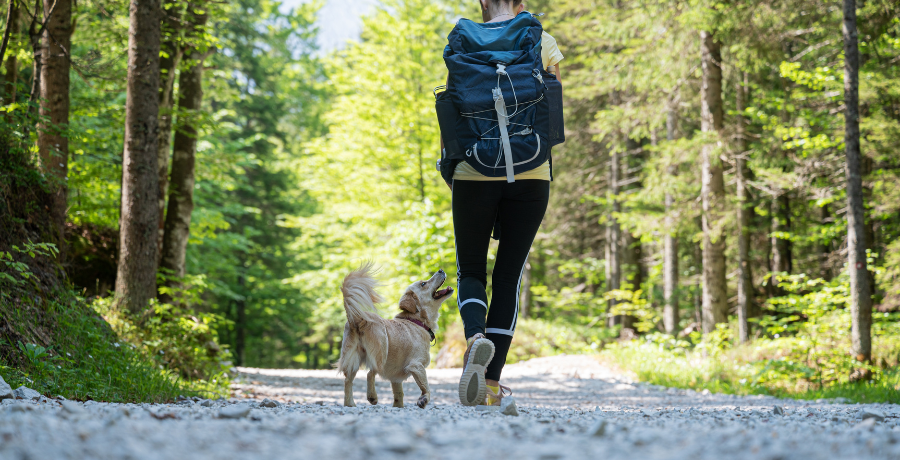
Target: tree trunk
pixel 698 298
pixel 168 63
pixel 860 294
pixel 745 280
pixel 139 219
pixel 240 325
pixel 613 237
pixel 781 225
pixel 181 190
pixel 34 37
pixel 53 141
pixel 824 248
pixel 715 307
pixel 10 80
pixel 670 247
pixel 525 294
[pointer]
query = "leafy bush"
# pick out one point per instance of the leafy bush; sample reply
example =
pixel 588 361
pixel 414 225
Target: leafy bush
pixel 176 336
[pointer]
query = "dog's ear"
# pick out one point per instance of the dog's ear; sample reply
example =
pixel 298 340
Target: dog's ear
pixel 410 302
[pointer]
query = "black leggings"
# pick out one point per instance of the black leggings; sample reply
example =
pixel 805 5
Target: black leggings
pixel 519 208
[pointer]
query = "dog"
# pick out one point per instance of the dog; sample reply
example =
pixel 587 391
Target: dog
pixel 391 348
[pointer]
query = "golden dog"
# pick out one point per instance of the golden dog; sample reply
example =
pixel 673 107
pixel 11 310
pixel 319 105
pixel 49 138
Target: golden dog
pixel 392 348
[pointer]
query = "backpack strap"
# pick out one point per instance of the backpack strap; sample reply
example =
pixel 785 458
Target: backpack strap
pixel 502 121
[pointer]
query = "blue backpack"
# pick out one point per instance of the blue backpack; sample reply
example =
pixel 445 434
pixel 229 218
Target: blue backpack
pixel 501 111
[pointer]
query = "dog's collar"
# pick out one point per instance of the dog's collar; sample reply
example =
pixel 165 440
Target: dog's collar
pixel 430 332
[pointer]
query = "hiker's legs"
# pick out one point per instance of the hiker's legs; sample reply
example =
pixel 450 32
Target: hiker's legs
pixel 474 211
pixel 521 212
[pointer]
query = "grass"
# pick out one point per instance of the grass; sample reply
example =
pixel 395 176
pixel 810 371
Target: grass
pixel 60 346
pixel 729 373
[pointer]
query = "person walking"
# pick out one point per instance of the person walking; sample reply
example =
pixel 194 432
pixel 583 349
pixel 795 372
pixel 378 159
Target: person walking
pixel 480 202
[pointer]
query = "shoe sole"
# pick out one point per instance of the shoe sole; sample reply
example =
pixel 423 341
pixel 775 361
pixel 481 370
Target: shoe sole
pixel 472 388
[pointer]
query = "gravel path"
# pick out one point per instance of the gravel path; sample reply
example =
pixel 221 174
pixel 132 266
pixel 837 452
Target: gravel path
pixel 570 407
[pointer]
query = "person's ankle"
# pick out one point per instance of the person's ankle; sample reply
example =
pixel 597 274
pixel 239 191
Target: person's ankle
pixel 493 383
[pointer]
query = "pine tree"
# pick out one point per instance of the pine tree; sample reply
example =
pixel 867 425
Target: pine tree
pixel 53 140
pixel 860 290
pixel 139 218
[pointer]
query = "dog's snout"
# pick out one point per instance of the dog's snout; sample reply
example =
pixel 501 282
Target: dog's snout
pixel 441 271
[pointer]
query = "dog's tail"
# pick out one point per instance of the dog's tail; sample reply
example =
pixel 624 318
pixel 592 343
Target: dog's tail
pixel 360 296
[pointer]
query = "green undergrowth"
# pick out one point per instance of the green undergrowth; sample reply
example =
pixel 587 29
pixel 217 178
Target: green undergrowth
pixel 534 338
pixel 801 350
pixel 57 343
pixel 723 374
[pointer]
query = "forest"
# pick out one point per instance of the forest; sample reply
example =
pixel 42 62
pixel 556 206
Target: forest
pixel 186 182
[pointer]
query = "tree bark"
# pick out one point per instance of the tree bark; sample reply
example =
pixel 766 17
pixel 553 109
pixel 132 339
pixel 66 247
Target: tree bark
pixel 824 248
pixel 715 305
pixel 860 290
pixel 670 246
pixel 168 63
pixel 10 79
pixel 744 286
pixel 525 294
pixel 52 137
pixel 181 189
pixel 139 218
pixel 781 224
pixel 34 37
pixel 613 237
pixel 240 324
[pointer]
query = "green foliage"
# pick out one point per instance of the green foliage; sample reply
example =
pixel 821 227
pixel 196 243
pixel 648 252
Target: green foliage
pixel 175 335
pixel 535 338
pixel 84 358
pixel 803 352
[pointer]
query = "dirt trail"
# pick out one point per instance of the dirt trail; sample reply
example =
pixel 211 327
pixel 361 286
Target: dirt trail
pixel 569 406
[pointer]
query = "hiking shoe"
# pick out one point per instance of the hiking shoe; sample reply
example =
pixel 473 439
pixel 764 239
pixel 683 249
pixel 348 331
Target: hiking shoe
pixel 479 352
pixel 494 395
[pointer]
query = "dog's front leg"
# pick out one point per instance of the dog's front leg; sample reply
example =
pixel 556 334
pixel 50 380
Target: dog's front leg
pixel 418 373
pixel 348 389
pixel 397 388
pixel 370 387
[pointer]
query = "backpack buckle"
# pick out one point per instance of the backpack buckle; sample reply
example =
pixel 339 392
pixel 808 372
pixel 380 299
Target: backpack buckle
pixel 501 69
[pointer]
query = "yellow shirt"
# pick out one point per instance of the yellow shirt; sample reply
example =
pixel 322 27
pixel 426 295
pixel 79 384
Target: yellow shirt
pixel 550 55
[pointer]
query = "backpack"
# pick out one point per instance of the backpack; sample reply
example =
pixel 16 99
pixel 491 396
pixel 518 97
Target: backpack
pixel 500 111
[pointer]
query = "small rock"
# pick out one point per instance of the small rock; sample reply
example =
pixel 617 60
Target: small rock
pixel 206 403
pixel 841 401
pixel 865 424
pixel 6 391
pixel 399 443
pixel 24 392
pixel 235 411
pixel 705 392
pixel 21 407
pixel 778 410
pixel 599 429
pixel 71 407
pixel 508 407
pixel 873 414
pixel 269 403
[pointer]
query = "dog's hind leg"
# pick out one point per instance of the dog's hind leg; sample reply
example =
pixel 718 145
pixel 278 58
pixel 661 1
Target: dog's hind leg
pixel 418 372
pixel 370 388
pixel 397 388
pixel 349 363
